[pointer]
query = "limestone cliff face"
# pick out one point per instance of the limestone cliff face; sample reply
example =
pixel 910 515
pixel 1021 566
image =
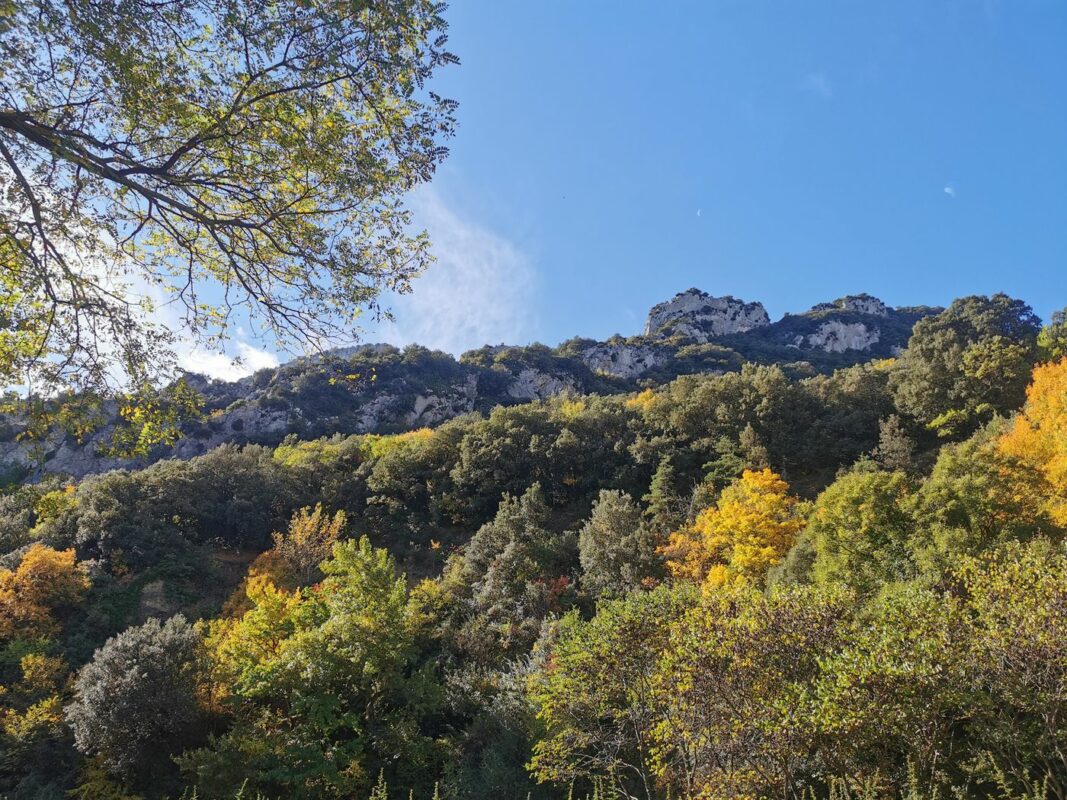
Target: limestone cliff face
pixel 531 384
pixel 860 303
pixel 836 336
pixel 624 360
pixel 700 316
pixel 249 412
pixel 58 453
pixel 433 409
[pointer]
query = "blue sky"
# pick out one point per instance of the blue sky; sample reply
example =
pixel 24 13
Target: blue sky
pixel 611 154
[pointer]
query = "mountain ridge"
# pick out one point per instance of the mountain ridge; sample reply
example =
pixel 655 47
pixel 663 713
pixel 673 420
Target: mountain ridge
pixel 380 388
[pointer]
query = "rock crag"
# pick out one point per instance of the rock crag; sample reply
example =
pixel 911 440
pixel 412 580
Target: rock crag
pixel 701 317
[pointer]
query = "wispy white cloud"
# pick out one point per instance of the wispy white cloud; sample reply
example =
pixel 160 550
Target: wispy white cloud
pixel 236 357
pixel 950 190
pixel 818 84
pixel 480 290
pixel 228 366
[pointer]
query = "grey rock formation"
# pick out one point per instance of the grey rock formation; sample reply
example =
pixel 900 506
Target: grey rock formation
pixel 624 360
pixel 835 336
pixel 432 409
pixel 531 384
pixel 860 303
pixel 59 453
pixel 237 421
pixel 700 316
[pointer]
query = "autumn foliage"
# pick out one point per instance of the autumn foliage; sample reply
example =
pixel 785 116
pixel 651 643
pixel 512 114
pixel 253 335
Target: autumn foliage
pixel 889 623
pixel 1039 434
pixel 44 581
pixel 749 530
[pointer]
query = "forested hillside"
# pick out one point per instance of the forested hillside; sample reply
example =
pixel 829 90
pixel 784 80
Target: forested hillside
pixel 752 584
pixel 382 389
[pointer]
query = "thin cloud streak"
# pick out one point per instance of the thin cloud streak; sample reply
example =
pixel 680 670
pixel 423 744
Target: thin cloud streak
pixel 235 360
pixel 479 291
pixel 818 84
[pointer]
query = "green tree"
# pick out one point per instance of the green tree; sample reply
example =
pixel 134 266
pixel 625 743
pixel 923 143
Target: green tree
pixel 596 697
pixel 518 571
pixel 616 548
pixel 976 499
pixel 893 696
pixel 324 687
pixel 861 529
pixel 231 154
pixel 135 702
pixel 966 364
pixel 665 508
pixel 1052 341
pixel 1017 601
pixel 735 682
pixel 896 447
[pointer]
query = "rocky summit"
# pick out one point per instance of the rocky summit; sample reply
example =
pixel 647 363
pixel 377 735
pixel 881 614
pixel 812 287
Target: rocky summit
pixel 393 389
pixel 701 317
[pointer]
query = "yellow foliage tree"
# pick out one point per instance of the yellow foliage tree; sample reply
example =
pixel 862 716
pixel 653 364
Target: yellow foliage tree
pixel 1038 436
pixel 642 401
pixel 309 541
pixel 44 581
pixel 381 445
pixel 242 646
pixel 294 560
pixel 749 530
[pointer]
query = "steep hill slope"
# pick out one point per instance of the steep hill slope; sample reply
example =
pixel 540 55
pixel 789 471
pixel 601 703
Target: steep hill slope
pixel 380 388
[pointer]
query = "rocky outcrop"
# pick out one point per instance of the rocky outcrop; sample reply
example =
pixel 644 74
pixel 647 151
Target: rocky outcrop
pixel 433 409
pixel 860 303
pixel 700 316
pixel 242 420
pixel 532 384
pixel 60 453
pixel 836 336
pixel 624 360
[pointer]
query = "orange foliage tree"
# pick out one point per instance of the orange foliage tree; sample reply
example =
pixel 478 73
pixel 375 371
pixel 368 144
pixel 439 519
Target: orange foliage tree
pixel 294 560
pixel 1038 436
pixel 44 581
pixel 749 530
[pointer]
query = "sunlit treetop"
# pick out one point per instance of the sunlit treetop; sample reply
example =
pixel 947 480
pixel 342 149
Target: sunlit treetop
pixel 225 157
pixel 1038 435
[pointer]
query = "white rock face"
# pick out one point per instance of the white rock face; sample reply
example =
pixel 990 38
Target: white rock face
pixel 860 303
pixel 701 316
pixel 433 409
pixel 530 384
pixel 623 360
pixel 835 336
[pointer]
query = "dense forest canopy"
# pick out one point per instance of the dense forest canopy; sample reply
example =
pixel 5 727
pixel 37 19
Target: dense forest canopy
pixel 751 584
